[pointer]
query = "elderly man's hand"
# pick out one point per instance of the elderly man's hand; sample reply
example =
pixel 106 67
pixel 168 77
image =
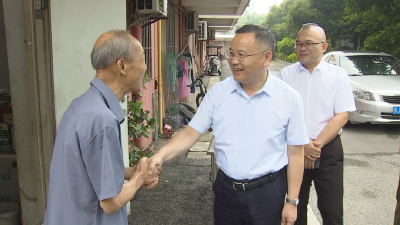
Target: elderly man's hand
pixel 150 185
pixel 149 180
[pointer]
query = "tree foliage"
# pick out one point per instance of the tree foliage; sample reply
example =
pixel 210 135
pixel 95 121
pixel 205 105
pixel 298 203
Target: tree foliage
pixel 366 24
pixel 373 25
pixel 286 46
pixel 250 18
pixel 385 40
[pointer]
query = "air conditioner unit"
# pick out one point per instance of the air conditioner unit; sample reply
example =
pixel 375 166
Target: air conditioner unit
pixel 211 34
pixel 158 7
pixel 202 35
pixel 192 22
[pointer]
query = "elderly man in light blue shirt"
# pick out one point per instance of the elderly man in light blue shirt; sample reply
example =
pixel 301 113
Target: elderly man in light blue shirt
pixel 86 184
pixel 259 131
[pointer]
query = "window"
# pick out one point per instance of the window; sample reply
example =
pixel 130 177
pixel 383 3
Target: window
pixel 146 43
pixel 358 65
pixel 171 28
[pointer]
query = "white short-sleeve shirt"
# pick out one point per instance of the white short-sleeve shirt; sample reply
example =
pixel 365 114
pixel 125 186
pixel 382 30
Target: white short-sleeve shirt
pixel 325 92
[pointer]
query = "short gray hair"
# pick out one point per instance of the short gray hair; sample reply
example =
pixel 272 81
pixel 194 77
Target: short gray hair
pixel 262 35
pixel 119 46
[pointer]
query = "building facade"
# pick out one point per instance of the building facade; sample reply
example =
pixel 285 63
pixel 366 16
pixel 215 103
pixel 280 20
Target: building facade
pixel 45 50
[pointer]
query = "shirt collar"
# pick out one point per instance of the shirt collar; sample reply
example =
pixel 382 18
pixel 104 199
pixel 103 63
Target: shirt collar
pixel 268 87
pixel 320 66
pixel 109 97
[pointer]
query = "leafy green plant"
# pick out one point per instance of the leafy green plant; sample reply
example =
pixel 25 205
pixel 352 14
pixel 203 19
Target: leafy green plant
pixel 139 125
pixel 136 155
pixel 286 46
pixel 291 58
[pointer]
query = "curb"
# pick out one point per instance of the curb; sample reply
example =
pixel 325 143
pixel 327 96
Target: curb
pixel 282 62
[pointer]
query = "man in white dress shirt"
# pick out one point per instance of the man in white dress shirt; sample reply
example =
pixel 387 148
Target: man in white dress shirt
pixel 328 99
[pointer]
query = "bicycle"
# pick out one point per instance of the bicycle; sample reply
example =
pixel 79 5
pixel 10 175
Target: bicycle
pixel 188 111
pixel 202 87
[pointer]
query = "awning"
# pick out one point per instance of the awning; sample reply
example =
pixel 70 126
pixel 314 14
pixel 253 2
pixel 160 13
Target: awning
pixel 220 15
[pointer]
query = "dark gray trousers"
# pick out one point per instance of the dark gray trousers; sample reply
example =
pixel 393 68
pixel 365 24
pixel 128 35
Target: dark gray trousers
pixel 328 180
pixel 259 206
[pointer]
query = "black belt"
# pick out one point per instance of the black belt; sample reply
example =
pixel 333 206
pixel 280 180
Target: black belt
pixel 247 185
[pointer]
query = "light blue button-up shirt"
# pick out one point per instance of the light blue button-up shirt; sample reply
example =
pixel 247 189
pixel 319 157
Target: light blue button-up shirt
pixel 87 164
pixel 252 133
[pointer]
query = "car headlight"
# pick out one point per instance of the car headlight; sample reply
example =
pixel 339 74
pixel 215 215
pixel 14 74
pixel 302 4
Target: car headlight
pixel 365 95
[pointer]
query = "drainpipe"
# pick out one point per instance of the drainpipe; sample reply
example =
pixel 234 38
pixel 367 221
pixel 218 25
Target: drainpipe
pixel 160 81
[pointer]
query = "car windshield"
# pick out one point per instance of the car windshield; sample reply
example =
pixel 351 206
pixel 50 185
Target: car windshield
pixel 358 65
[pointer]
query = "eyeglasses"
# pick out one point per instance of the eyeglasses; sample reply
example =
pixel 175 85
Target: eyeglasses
pixel 241 56
pixel 307 45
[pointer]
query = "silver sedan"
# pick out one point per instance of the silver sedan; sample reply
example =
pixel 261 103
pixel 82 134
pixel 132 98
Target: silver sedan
pixel 375 80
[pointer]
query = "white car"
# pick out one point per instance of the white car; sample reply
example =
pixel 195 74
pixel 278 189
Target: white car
pixel 375 80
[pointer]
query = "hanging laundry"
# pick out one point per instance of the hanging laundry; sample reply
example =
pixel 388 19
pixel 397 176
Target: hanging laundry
pixel 184 90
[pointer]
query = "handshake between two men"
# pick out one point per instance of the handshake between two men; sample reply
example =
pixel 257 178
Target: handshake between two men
pixel 144 175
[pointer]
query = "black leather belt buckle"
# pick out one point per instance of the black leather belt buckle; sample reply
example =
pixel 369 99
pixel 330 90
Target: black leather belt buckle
pixel 247 185
pixel 237 186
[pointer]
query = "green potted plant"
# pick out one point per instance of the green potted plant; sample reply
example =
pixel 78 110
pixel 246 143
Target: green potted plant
pixel 139 125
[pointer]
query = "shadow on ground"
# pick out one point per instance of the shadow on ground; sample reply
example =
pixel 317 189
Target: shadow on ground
pixel 183 195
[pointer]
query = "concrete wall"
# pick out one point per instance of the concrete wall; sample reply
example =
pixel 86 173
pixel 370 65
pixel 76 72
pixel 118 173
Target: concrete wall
pixel 193 51
pixel 4 78
pixel 75 28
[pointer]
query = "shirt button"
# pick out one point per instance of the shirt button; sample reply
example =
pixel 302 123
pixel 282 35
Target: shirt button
pixel 244 140
pixel 247 121
pixel 241 161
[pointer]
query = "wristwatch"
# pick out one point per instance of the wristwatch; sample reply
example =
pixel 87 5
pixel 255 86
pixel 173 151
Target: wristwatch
pixel 292 201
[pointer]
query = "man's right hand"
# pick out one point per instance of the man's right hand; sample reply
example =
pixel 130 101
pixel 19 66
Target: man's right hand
pixel 142 169
pixel 312 151
pixel 155 163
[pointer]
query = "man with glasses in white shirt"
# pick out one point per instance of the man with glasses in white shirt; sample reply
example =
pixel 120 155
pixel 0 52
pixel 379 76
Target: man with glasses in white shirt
pixel 328 99
pixel 259 136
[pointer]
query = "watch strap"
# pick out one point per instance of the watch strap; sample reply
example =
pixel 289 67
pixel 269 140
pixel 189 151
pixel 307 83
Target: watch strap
pixel 292 201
